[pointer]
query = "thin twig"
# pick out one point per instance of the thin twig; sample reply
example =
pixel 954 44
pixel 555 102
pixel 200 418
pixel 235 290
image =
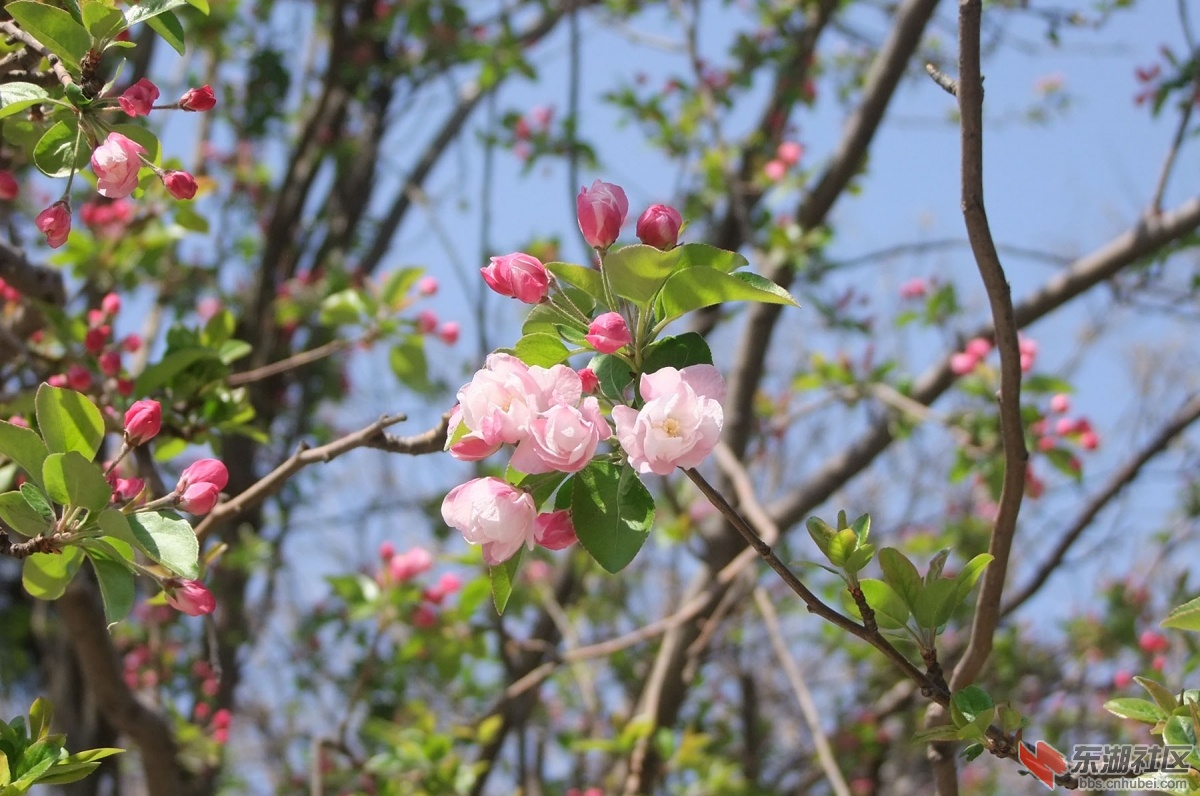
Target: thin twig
pixel 949 84
pixel 808 706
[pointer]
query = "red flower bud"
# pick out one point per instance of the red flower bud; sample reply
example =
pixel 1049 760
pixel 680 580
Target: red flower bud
pixel 189 596
pixel 659 226
pixel 198 99
pixel 143 421
pixel 179 184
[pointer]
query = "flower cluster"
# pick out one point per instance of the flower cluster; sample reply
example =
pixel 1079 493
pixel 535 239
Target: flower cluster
pixel 556 418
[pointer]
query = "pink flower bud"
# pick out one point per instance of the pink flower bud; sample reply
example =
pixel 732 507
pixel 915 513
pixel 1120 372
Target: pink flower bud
pixel 209 471
pixel 127 488
pixel 427 286
pixel 1153 642
pixel 8 186
pixel 555 530
pixel 978 348
pixel 1089 440
pixel 789 152
pixel 132 343
pixel 1064 426
pixel 449 332
pixel 179 184
pixel 608 333
pixel 775 170
pixel 601 210
pixel 125 387
pixel 1122 678
pixel 95 339
pixel 199 498
pixel 57 380
pixel 189 596
pixel 55 223
pixel 409 564
pixel 914 288
pixel 116 163
pixel 424 617
pixel 518 275
pixel 386 551
pixel 139 98
pixel 589 380
pixel 427 321
pixel 659 226
pixel 1060 403
pixel 110 304
pixel 143 421
pixel 446 585
pixel 198 99
pixel 962 364
pixel 78 378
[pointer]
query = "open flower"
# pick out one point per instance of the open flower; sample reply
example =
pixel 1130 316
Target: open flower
pixel 116 163
pixel 563 438
pixel 679 424
pixel 494 514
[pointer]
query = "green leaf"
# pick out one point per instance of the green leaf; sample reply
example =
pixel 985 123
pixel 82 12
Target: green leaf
pixel 677 352
pixel 68 421
pixel 1179 731
pixel 890 611
pixel 38 501
pixel 821 532
pixel 231 351
pixel 150 9
pixel 966 579
pixel 935 604
pixel 503 576
pixel 582 277
pixel 168 539
pixel 1136 709
pixel 74 481
pixel 116 586
pixel 46 575
pixel 16 97
pixel 901 575
pixel 77 766
pixel 116 526
pixel 971 703
pixel 936 565
pixel 698 287
pixel 54 28
pixel 145 137
pixel 395 288
pixel 1184 617
pixel 1164 698
pixel 40 713
pixel 637 272
pixel 24 447
pixel 542 349
pixel 614 376
pixel 859 558
pixel 841 546
pixel 942 732
pixel 102 21
pixel 690 255
pixel 409 363
pixel 167 26
pixel 613 513
pixel 20 516
pixel 158 375
pixel 61 150
pixel 343 308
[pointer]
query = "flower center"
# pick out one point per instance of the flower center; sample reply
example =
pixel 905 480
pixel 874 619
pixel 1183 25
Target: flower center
pixel 671 426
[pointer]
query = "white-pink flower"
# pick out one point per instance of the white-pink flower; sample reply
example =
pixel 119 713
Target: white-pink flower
pixel 495 403
pixel 494 514
pixel 116 163
pixel 680 423
pixel 563 438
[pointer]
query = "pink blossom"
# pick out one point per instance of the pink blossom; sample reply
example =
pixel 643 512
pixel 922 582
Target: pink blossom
pixel 199 498
pixel 127 488
pixel 789 152
pixel 116 163
pixel 110 363
pixel 1122 678
pixel 609 333
pixel 189 596
pixel 427 321
pixel 1089 440
pixel 132 343
pixel 588 380
pixel 427 286
pixel 775 170
pixel 494 514
pixel 914 288
pixel 95 339
pixel 518 275
pixel 1060 403
pixel 659 226
pixel 200 486
pixel 143 421
pixel 386 551
pixel 1152 642
pixel 495 403
pixel 679 424
pixel 446 585
pixel 179 184
pixel 57 380
pixel 407 565
pixel 110 305
pixel 470 447
pixel 78 378
pixel 601 210
pixel 198 99
pixel 962 364
pixel 555 530
pixel 1064 426
pixel 563 438
pixel 978 347
pixel 449 332
pixel 1029 351
pixel 424 617
pixel 8 186
pixel 55 223
pixel 139 98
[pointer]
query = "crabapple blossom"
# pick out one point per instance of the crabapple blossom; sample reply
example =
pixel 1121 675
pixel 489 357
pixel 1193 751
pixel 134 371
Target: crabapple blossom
pixel 495 403
pixel 518 275
pixel 179 184
pixel 978 347
pixel 139 98
pixel 962 363
pixel 427 321
pixel 110 305
pixel 494 514
pixel 563 438
pixel 143 421
pixel 200 486
pixel 189 596
pixel 110 363
pixel 775 170
pixel 8 186
pixel 601 210
pixel 446 585
pixel 116 163
pixel 55 223
pixel 198 99
pixel 609 333
pixel 449 331
pixel 588 380
pixel 427 286
pixel 680 423
pixel 659 226
pixel 407 565
pixel 555 530
pixel 789 152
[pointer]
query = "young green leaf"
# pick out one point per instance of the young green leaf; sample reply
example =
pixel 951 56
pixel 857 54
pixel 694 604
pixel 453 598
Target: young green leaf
pixel 637 272
pixel 24 447
pixel 613 513
pixel 102 21
pixel 677 352
pixel 1162 697
pixel 61 150
pixel 935 604
pixel 167 26
pixel 116 586
pixel 586 279
pixel 545 350
pixel 72 480
pixel 16 97
pixel 966 579
pixel 20 516
pixel 901 575
pixel 1136 709
pixel 46 575
pixel 54 28
pixel 694 288
pixel 503 576
pixel 410 364
pixel 68 421
pixel 1184 617
pixel 890 611
pixel 168 539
